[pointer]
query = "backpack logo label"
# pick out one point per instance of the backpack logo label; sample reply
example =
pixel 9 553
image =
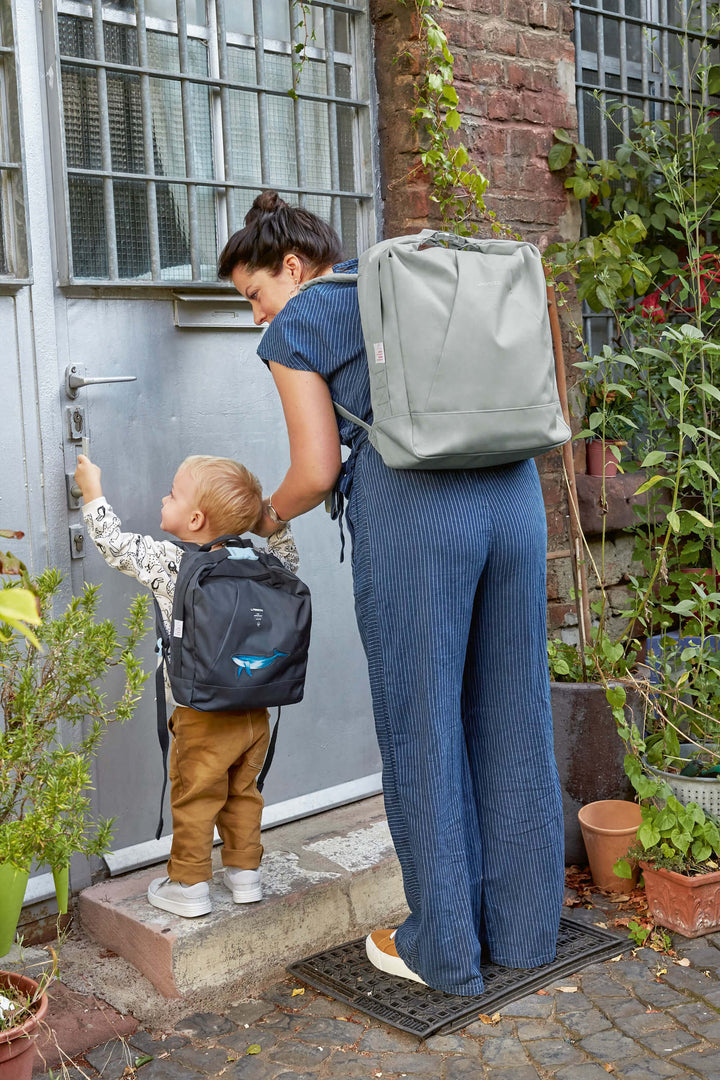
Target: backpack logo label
pixel 257 614
pixel 177 628
pixel 248 664
pixel 379 352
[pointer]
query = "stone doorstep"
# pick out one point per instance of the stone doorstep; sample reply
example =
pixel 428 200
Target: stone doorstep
pixel 326 880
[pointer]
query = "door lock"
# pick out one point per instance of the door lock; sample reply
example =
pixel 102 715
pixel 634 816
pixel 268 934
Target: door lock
pixel 76 422
pixel 77 542
pixel 75 379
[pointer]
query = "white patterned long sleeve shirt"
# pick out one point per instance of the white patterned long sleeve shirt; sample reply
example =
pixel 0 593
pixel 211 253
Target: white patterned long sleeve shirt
pixel 155 563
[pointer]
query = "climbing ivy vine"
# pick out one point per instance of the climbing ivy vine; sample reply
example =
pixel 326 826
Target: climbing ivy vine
pixel 456 185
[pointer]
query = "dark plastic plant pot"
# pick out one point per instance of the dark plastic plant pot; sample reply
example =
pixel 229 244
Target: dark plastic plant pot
pixel 688 905
pixel 589 754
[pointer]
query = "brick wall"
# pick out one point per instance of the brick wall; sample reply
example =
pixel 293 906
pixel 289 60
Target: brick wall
pixel 515 76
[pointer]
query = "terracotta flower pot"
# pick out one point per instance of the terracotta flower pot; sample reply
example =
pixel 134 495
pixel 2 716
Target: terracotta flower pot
pixel 600 460
pixel 609 828
pixel 688 905
pixel 17 1045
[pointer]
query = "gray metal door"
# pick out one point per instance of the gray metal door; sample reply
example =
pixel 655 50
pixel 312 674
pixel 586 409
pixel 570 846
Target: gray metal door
pixel 206 392
pixel 198 388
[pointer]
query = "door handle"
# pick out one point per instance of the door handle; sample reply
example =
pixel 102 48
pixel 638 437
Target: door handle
pixel 75 379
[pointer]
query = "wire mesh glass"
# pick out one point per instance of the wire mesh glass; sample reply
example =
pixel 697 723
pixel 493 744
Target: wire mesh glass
pixel 87 227
pixel 13 234
pixel 207 136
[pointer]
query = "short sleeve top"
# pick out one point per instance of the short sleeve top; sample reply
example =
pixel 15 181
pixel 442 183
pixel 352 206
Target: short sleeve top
pixel 320 330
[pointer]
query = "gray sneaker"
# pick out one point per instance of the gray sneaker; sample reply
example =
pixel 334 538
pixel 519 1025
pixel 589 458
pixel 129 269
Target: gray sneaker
pixel 243 884
pixel 186 900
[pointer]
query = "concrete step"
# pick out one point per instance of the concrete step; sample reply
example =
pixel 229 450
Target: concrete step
pixel 326 879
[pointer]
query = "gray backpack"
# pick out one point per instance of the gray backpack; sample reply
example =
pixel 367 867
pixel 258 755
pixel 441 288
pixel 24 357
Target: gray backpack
pixel 459 348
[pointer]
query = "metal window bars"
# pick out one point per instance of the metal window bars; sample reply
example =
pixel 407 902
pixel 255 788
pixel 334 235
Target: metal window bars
pixel 176 113
pixel 631 51
pixel 13 230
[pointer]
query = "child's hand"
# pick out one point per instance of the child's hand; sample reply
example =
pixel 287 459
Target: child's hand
pixel 87 477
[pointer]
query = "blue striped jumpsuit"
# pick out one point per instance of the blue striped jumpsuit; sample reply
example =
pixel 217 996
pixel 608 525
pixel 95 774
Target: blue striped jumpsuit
pixel 449 581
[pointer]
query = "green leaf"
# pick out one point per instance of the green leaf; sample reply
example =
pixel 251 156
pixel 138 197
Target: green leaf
pixel 698 517
pixel 713 391
pixel 707 468
pixel 143 1060
pixel 677 384
pixel 648 835
pixel 616 695
pixel 623 869
pixel 453 119
pixel 673 520
pixel 604 296
pixel 254 1048
pixel 648 484
pixel 653 458
pixel 19 604
pixel 559 156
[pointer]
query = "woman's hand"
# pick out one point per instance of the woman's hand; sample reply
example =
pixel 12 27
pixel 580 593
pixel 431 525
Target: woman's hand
pixel 87 477
pixel 266 525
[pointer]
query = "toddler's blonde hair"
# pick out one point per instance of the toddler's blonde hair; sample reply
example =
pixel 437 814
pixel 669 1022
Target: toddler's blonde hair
pixel 228 494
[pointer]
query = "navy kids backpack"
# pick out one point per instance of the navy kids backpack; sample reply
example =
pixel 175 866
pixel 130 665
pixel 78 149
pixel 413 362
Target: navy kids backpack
pixel 239 634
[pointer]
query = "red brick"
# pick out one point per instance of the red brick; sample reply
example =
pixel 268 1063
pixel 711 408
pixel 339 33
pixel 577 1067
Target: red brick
pixel 528 141
pixel 474 100
pixel 485 70
pixel 544 13
pixel 558 614
pixel 502 39
pixel 502 105
pixel 568 19
pixel 517 11
pixel 543 45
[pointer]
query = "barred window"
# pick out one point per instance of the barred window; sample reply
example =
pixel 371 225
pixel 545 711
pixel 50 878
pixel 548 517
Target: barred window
pixel 640 53
pixel 176 113
pixel 634 51
pixel 13 233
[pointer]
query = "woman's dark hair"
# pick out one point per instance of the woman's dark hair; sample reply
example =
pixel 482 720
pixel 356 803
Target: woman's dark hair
pixel 273 229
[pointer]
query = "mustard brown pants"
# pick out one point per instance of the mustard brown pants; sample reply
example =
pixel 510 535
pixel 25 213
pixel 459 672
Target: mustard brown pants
pixel 215 758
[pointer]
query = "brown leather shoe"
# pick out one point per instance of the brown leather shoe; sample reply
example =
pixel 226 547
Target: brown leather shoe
pixel 382 954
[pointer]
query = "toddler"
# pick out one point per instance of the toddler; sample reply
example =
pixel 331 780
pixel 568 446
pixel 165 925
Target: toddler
pixel 215 756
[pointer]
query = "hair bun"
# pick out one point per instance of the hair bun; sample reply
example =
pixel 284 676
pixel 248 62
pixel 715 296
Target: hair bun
pixel 267 202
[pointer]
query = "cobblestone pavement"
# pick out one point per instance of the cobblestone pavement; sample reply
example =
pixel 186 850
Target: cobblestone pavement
pixel 645 1016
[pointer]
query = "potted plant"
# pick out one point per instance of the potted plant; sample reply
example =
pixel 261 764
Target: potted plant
pixel 45 811
pixel 609 420
pixel 23 1005
pixel 678 849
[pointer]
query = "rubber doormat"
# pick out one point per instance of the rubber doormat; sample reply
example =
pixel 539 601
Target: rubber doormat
pixel 346 973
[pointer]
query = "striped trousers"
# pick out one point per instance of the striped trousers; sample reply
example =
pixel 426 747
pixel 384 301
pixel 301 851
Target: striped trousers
pixel 449 574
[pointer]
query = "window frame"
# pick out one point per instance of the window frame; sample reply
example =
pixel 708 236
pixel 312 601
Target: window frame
pixel 222 180
pixel 598 329
pixel 13 182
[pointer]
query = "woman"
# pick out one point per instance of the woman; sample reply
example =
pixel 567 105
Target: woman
pixel 449 583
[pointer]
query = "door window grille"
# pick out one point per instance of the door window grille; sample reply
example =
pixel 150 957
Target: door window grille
pixel 13 234
pixel 176 113
pixel 640 53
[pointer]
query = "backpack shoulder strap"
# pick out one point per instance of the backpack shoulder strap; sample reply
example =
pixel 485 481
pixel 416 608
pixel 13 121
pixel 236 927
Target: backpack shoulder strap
pixel 330 279
pixel 162 647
